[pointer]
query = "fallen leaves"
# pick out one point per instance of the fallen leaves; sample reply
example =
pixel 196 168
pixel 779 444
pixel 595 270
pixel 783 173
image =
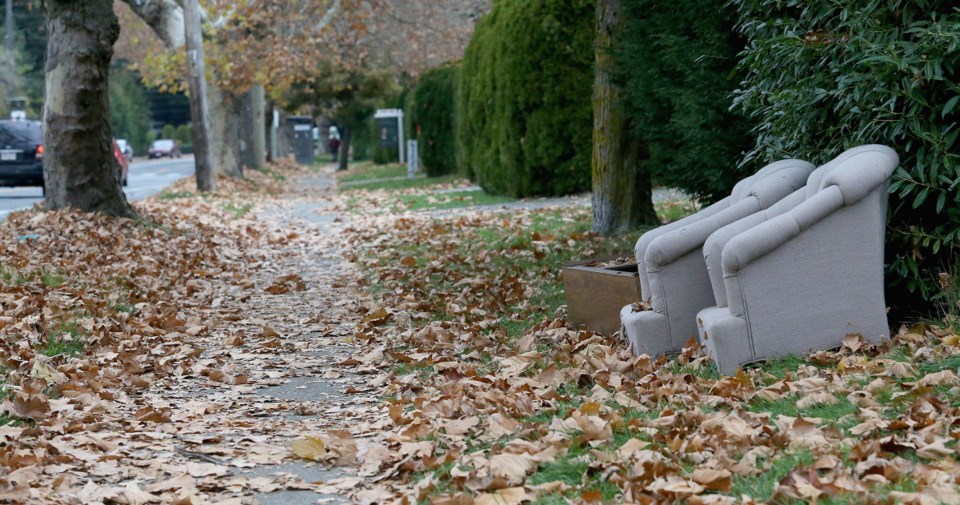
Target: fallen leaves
pixel 309 448
pixel 654 429
pixel 131 353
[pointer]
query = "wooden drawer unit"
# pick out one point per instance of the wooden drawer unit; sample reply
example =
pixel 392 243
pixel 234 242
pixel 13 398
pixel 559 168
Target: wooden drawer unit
pixel 595 294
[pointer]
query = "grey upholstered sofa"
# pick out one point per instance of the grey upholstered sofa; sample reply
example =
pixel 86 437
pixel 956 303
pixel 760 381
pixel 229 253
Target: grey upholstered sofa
pixel 673 276
pixel 804 273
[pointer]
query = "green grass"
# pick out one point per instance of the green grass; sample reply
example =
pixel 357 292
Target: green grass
pixel 566 470
pixel 14 421
pixel 673 210
pixel 776 369
pixel 365 171
pixel 901 354
pixel 708 372
pixel 238 210
pixel 948 363
pixel 276 176
pixel 441 476
pixel 173 195
pixel 57 345
pixel 787 406
pixel 12 277
pixel 123 307
pixel 419 182
pixel 52 280
pixel 451 200
pixel 423 372
pixel 760 486
pixel 571 469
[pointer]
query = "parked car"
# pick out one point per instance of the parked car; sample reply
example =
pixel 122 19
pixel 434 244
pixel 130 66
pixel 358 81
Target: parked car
pixel 164 148
pixel 122 161
pixel 126 149
pixel 21 153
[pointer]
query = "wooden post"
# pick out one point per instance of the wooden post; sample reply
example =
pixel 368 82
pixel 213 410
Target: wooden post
pixel 199 108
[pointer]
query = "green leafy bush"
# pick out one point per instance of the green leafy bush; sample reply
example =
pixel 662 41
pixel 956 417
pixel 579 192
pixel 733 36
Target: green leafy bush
pixel 433 114
pixel 677 64
pixel 524 119
pixel 826 76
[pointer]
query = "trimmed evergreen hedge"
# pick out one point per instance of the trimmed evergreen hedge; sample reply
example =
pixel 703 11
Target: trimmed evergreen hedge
pixel 433 114
pixel 826 76
pixel 524 119
pixel 677 64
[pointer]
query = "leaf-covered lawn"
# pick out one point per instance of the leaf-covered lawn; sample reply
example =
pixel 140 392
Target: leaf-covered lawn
pixel 495 400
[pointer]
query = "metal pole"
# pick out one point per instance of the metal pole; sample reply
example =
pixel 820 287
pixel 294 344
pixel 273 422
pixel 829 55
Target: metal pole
pixel 400 132
pixel 274 126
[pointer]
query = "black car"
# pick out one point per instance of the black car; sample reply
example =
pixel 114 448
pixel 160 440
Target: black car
pixel 21 153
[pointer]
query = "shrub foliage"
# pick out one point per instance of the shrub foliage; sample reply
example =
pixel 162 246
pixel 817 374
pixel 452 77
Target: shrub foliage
pixel 677 70
pixel 433 116
pixel 825 76
pixel 524 123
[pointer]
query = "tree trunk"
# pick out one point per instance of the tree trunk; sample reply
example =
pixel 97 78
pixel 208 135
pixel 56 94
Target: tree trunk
pixel 199 110
pixel 344 160
pixel 621 185
pixel 243 109
pixel 259 127
pixel 79 166
pixel 223 131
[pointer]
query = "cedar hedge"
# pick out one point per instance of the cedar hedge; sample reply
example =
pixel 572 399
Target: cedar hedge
pixel 433 120
pixel 524 118
pixel 677 66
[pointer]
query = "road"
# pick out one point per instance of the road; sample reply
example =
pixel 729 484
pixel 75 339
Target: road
pixel 145 178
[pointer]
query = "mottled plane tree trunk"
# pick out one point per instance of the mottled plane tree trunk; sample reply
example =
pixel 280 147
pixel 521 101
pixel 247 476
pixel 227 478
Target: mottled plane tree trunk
pixel 621 185
pixel 79 166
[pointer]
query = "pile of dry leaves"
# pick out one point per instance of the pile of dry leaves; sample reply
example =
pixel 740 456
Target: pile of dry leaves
pixel 495 400
pixel 95 311
pixel 272 181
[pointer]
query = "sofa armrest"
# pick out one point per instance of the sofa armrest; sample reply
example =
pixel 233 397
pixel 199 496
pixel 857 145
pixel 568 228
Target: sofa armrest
pixel 643 243
pixel 676 244
pixel 713 246
pixel 764 238
pixel 645 239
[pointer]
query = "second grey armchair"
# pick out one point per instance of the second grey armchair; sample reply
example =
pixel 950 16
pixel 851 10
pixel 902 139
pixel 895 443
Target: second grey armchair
pixel 807 271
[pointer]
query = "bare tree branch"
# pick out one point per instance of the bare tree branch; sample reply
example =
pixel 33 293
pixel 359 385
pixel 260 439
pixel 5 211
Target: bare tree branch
pixel 165 17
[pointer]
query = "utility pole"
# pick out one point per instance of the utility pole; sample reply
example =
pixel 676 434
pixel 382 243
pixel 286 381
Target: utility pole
pixel 8 29
pixel 258 102
pixel 199 108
